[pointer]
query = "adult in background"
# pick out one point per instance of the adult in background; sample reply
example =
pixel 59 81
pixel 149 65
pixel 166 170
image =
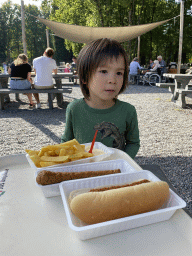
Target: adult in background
pixel 5 67
pixel 162 63
pixel 4 82
pixel 20 71
pixel 74 68
pixel 43 68
pixel 151 64
pixel 133 69
pixel 154 69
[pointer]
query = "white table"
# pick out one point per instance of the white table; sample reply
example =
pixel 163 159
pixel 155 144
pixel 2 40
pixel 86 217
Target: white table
pixel 181 80
pixel 58 76
pixel 33 225
pixel 181 88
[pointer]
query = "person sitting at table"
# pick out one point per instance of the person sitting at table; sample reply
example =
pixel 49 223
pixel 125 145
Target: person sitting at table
pixel 133 69
pixel 5 67
pixel 43 68
pixel 151 64
pixel 67 68
pixel 162 64
pixel 20 71
pixel 74 69
pixel 154 69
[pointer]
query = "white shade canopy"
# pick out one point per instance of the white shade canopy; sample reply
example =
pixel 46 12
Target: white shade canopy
pixel 83 34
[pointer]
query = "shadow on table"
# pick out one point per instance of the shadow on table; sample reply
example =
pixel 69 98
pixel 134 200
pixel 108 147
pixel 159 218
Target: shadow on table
pixel 179 179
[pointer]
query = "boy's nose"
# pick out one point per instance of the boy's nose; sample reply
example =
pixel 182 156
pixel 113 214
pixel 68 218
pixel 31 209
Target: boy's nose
pixel 112 78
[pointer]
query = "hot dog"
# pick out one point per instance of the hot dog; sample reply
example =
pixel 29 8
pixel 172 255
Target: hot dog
pixel 100 206
pixel 49 177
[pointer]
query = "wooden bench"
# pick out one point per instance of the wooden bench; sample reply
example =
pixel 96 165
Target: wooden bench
pixel 67 84
pixel 63 85
pixel 50 93
pixel 181 97
pixel 178 95
pixel 165 85
pixel 171 87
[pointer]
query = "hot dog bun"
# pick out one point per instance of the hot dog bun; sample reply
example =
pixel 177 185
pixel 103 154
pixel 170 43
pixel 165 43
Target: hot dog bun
pixel 96 207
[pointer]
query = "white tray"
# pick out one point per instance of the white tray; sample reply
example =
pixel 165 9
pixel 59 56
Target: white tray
pixel 98 145
pixel 53 190
pixel 85 232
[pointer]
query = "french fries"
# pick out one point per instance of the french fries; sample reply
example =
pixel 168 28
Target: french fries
pixel 58 154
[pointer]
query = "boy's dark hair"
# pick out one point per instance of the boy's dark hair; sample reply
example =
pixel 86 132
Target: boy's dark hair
pixel 95 53
pixel 49 52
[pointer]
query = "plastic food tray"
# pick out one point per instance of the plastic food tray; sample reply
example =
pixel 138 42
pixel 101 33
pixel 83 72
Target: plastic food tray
pixel 85 232
pixel 98 145
pixel 53 190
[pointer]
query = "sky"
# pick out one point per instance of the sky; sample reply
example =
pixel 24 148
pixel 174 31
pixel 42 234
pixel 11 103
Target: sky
pixel 26 2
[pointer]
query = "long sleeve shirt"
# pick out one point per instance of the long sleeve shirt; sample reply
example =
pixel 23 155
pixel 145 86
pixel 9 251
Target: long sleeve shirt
pixel 134 66
pixel 117 126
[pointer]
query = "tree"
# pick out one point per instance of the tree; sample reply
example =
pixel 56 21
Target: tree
pixel 162 40
pixel 35 33
pixel 3 37
pixel 62 54
pixel 8 16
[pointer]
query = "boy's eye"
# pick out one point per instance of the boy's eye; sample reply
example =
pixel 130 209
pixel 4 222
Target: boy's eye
pixel 103 71
pixel 119 73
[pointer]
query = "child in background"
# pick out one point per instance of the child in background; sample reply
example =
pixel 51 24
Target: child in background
pixel 67 68
pixel 103 74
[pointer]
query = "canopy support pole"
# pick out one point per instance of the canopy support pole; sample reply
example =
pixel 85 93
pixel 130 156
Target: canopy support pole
pixel 180 36
pixel 138 50
pixel 23 28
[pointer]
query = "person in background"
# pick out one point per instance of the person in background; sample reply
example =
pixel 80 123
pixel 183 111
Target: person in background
pixel 151 63
pixel 74 69
pixel 103 73
pixel 5 67
pixel 4 82
pixel 20 72
pixel 43 68
pixel 67 68
pixel 133 69
pixel 162 63
pixel 154 69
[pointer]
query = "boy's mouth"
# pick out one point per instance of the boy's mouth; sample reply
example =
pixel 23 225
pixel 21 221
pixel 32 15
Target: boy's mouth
pixel 110 90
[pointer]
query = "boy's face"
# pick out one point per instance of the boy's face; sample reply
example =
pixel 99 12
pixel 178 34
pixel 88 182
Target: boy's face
pixel 107 80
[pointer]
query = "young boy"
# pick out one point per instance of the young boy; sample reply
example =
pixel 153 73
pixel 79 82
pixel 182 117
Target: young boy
pixel 103 74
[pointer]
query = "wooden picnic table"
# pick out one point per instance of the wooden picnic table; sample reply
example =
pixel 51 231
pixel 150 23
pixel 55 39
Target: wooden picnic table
pixel 58 83
pixel 181 80
pixel 180 88
pixel 4 78
pixel 4 84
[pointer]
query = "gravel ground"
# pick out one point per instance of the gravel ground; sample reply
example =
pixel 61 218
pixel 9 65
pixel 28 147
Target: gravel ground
pixel 165 131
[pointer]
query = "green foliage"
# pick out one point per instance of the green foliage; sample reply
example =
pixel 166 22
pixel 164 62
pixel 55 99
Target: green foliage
pixel 35 33
pixel 3 35
pixel 162 40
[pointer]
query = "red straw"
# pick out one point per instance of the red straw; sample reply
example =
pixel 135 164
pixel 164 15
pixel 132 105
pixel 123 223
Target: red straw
pixel 93 142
